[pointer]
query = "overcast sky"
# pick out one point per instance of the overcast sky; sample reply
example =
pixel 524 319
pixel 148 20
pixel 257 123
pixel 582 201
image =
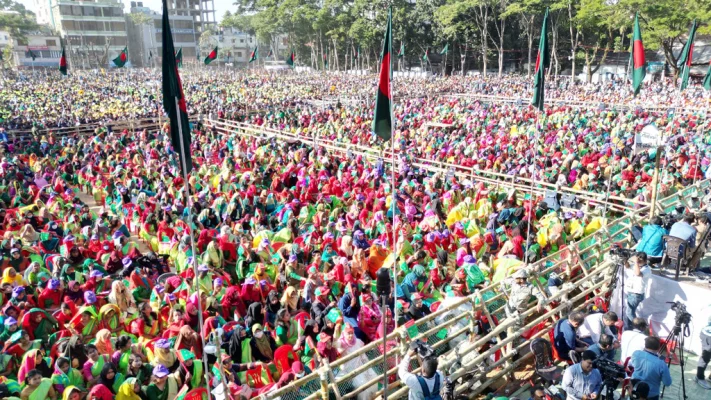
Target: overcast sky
pixel 220 6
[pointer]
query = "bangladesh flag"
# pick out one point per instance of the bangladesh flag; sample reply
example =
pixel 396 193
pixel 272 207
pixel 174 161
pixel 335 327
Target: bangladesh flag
pixel 253 56
pixel 122 58
pixel 445 50
pixel 707 78
pixel 356 55
pixel 211 57
pixel 291 59
pixel 383 118
pixel 271 53
pixel 637 57
pixel 150 55
pixel 401 53
pixel 426 56
pixel 32 54
pixel 173 98
pixel 179 57
pixel 325 59
pixel 542 59
pixel 687 54
pixel 63 63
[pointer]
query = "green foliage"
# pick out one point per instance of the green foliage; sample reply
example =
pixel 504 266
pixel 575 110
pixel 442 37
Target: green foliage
pixel 16 19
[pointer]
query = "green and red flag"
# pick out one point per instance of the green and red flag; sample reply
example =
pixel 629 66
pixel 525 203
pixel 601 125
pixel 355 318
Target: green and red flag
pixel 271 53
pixel 707 78
pixel 211 57
pixel 638 62
pixel 687 54
pixel 426 56
pixel 325 59
pixel 253 55
pixel 174 99
pixel 179 57
pixel 356 55
pixel 32 54
pixel 63 63
pixel 122 58
pixel 291 59
pixel 542 59
pixel 401 53
pixel 445 50
pixel 383 115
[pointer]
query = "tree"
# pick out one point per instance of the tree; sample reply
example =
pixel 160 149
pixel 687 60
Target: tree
pixel 527 11
pixel 16 19
pixel 140 19
pixel 207 40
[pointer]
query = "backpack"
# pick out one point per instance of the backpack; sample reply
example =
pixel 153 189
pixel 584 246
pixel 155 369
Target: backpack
pixel 426 392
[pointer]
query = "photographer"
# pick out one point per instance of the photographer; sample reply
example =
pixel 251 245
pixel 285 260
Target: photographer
pixel 649 368
pixel 422 387
pixel 581 381
pixel 637 274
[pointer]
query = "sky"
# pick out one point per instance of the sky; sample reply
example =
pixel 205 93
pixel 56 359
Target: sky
pixel 220 6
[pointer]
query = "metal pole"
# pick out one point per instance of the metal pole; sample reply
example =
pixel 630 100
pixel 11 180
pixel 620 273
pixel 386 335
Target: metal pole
pixel 655 182
pixel 188 203
pixel 384 304
pixel 530 203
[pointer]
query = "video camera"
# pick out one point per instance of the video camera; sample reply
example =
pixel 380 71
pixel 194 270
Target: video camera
pixel 423 349
pixel 621 253
pixel 610 370
pixel 682 316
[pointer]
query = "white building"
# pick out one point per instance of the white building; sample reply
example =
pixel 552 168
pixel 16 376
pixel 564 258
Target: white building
pixel 43 44
pixel 147 39
pixel 94 30
pixel 236 46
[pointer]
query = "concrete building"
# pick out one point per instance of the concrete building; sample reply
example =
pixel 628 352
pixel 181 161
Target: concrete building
pixel 147 39
pixel 45 45
pixel 236 46
pixel 94 30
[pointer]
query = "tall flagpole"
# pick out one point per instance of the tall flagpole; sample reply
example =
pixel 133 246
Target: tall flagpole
pixel 188 203
pixel 531 202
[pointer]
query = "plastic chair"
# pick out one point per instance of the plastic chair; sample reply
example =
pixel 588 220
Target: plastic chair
pixel 283 357
pixel 543 353
pixel 257 377
pixel 677 251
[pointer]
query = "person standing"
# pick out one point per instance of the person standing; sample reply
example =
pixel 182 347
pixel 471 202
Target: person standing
pixel 649 368
pixel 422 387
pixel 637 274
pixel 633 340
pixel 705 358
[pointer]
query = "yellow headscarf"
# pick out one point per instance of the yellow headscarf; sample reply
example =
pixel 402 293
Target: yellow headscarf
pixel 69 389
pixel 126 391
pixel 16 281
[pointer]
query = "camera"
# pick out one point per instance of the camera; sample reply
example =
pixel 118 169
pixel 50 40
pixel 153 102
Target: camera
pixel 621 253
pixel 682 316
pixel 610 370
pixel 423 349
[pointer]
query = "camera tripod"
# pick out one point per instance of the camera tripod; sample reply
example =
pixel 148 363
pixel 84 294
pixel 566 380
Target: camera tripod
pixel 610 386
pixel 676 338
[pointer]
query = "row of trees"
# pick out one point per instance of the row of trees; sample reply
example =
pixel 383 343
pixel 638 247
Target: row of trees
pixel 479 32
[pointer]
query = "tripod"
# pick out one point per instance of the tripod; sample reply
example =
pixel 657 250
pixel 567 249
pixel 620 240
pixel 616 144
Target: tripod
pixel 676 338
pixel 610 386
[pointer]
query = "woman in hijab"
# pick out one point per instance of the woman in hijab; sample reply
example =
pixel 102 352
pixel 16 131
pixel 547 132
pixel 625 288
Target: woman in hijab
pixel 119 295
pixel 74 294
pixel 191 316
pixel 165 355
pixel 110 318
pixel 76 257
pixel 33 360
pixel 103 342
pixel 287 329
pixel 35 387
pixel 191 369
pixel 232 304
pixel 110 378
pixel 64 376
pixel 388 328
pixel 10 276
pixel 130 389
pixel 347 344
pixel 255 314
pixel 290 299
pixel 325 347
pixel 273 307
pixel 262 345
pixel 188 339
pixel 28 235
pixel 369 316
pixel 307 341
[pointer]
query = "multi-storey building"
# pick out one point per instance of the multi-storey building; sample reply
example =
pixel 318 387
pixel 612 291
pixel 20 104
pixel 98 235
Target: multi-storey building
pixel 94 30
pixel 43 44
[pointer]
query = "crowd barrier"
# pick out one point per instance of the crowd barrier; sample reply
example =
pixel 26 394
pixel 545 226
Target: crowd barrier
pixel 450 330
pixel 593 200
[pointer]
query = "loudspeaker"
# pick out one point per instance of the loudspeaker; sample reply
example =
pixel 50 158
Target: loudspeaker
pixel 570 201
pixel 383 282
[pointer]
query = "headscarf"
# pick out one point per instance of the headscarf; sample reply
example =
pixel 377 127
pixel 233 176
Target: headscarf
pixel 28 234
pixel 119 295
pixel 262 344
pixel 14 281
pixel 288 301
pixel 29 362
pixel 126 391
pixel 103 342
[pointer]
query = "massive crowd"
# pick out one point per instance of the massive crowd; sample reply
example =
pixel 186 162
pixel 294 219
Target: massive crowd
pixel 287 238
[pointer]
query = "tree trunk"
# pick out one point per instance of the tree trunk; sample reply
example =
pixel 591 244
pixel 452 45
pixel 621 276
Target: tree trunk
pixel 529 33
pixel 464 55
pixel 573 42
pixel 335 54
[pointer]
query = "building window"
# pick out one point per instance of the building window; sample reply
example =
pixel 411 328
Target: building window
pixel 239 54
pixel 51 43
pixel 241 40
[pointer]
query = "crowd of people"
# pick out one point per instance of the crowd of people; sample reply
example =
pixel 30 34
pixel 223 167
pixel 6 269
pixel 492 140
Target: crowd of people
pixel 277 244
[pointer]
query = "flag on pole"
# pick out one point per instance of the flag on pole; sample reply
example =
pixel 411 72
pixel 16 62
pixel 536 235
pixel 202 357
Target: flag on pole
pixel 357 54
pixel 445 50
pixel 179 57
pixel 122 58
pixel 542 59
pixel 638 61
pixel 325 59
pixel 253 55
pixel 32 54
pixel 172 89
pixel 426 57
pixel 401 53
pixel 271 53
pixel 687 54
pixel 63 63
pixel 291 59
pixel 383 118
pixel 707 78
pixel 211 57
pixel 150 55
